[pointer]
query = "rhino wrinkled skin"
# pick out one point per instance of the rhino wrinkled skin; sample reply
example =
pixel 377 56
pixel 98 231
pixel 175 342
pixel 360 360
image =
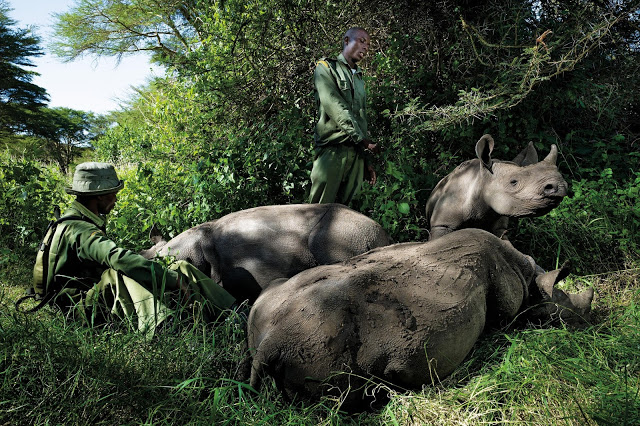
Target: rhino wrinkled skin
pixel 247 250
pixel 407 314
pixel 483 192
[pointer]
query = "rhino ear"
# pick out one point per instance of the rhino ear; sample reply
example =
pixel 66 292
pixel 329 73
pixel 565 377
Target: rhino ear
pixel 548 280
pixel 552 157
pixel 155 235
pixel 484 148
pixel 527 156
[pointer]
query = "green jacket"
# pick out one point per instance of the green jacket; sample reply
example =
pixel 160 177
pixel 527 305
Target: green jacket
pixel 80 252
pixel 341 102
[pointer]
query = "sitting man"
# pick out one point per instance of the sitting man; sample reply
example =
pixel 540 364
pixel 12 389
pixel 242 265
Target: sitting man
pixel 87 275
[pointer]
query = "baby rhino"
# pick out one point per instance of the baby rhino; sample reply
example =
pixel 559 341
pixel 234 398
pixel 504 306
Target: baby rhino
pixel 483 192
pixel 407 314
pixel 247 250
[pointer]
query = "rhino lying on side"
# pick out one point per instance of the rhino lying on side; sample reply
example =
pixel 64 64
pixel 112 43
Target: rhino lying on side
pixel 407 314
pixel 483 192
pixel 245 251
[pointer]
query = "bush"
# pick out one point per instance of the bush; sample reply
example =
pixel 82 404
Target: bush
pixel 597 229
pixel 197 182
pixel 29 191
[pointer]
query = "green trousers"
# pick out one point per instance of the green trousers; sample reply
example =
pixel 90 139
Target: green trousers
pixel 118 296
pixel 337 174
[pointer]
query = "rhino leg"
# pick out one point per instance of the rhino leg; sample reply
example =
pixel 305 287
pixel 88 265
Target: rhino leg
pixel 438 231
pixel 240 283
pixel 500 227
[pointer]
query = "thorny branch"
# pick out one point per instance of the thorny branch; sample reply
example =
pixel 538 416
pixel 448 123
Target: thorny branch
pixel 480 103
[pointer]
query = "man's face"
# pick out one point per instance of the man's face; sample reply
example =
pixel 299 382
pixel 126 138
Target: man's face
pixel 356 47
pixel 106 202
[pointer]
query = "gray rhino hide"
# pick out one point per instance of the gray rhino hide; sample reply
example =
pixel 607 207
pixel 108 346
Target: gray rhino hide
pixel 407 314
pixel 483 192
pixel 247 250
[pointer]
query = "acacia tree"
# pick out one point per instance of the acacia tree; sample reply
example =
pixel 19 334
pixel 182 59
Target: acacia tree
pixel 64 131
pixel 508 51
pixel 19 97
pixel 166 28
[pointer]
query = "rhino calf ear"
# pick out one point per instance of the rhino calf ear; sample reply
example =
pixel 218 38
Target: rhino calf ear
pixel 484 148
pixel 527 156
pixel 548 280
pixel 155 236
pixel 570 308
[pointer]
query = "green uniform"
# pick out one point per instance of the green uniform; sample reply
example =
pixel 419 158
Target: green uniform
pixel 339 163
pixel 100 279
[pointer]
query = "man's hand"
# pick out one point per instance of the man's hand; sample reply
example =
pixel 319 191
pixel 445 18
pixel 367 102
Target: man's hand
pixel 370 174
pixel 370 146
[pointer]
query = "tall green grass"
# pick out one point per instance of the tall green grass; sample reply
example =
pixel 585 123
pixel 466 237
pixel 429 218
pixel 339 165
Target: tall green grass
pixel 59 372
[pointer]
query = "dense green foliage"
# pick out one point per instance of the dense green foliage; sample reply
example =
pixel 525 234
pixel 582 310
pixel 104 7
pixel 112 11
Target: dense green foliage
pixel 596 229
pixel 29 194
pixel 231 125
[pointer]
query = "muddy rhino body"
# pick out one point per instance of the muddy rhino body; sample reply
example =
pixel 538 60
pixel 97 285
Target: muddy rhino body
pixel 247 250
pixel 484 193
pixel 407 313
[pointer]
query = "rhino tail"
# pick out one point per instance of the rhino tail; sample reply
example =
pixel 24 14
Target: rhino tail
pixel 267 361
pixel 259 361
pixel 259 368
pixel 157 240
pixel 257 371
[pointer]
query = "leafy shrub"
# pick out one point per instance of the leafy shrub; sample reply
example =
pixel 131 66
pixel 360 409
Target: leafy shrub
pixel 196 182
pixel 230 127
pixel 597 229
pixel 29 191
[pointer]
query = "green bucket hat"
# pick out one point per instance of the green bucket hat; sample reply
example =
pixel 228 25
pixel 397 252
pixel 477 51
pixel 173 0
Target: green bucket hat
pixel 95 179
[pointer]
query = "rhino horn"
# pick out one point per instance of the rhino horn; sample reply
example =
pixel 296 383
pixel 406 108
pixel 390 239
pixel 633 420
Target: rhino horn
pixel 548 280
pixel 552 157
pixel 527 156
pixel 484 148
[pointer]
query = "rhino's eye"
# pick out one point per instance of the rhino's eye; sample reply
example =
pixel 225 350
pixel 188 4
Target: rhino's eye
pixel 514 182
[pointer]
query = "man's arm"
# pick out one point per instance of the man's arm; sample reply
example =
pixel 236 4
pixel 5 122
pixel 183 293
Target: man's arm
pixel 91 244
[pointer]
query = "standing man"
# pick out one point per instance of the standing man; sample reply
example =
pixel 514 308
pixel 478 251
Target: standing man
pixel 83 272
pixel 342 144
